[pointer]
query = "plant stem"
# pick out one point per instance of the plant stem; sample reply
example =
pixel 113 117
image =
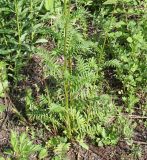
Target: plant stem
pixel 66 83
pixel 19 36
pixel 18 25
pixel 32 24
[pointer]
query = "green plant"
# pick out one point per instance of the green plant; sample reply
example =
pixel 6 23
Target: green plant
pixel 3 79
pixel 60 147
pixel 73 99
pixel 126 41
pixel 17 45
pixel 77 106
pixel 23 147
pixel 136 151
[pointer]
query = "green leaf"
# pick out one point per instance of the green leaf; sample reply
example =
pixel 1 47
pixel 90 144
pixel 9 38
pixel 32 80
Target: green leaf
pixel 3 79
pixel 110 2
pixel 7 31
pixel 14 140
pixel 5 9
pixel 5 52
pixel 49 5
pixel 2 108
pixel 43 153
pixel 84 145
pixel 104 133
pixel 22 140
pixel 22 38
pixel 56 108
pixel 3 86
pixel 129 39
pixel 42 41
pixel 8 152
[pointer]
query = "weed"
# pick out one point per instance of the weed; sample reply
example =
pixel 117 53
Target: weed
pixel 23 147
pixel 72 100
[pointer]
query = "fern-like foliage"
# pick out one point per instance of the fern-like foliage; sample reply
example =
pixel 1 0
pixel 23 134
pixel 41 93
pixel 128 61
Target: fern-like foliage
pixel 113 63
